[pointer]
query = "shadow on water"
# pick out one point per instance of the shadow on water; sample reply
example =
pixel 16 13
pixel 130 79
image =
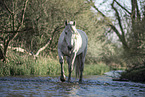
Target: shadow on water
pixel 100 86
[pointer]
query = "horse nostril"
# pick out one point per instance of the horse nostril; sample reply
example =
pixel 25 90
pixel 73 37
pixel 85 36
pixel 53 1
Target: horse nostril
pixel 69 47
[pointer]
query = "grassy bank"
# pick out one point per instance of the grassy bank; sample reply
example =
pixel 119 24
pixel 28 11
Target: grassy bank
pixel 26 65
pixel 45 66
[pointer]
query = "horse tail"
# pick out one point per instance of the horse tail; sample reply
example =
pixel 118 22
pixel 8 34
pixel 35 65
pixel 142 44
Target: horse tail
pixel 77 66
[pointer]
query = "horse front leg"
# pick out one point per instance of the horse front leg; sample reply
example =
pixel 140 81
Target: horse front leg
pixel 62 77
pixel 70 61
pixel 61 61
pixel 69 68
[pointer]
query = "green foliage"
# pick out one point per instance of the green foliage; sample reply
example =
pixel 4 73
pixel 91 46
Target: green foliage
pixel 96 69
pixel 44 20
pixel 136 54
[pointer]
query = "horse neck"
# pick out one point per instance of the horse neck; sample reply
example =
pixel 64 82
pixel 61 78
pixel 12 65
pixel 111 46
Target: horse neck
pixel 74 29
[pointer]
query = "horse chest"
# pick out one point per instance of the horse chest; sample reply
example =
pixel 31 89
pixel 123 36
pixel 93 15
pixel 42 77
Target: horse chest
pixel 64 48
pixel 77 42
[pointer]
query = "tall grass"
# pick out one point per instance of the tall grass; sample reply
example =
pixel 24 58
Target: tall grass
pixel 43 66
pixel 26 65
pixel 21 64
pixel 96 69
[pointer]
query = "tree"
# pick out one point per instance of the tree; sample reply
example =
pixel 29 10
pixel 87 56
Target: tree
pixel 46 23
pixel 128 27
pixel 12 18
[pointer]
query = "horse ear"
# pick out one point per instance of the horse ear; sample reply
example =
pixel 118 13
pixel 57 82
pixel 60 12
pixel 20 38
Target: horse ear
pixel 74 23
pixel 66 23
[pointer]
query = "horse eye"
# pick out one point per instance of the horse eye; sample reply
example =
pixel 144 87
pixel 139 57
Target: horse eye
pixel 66 33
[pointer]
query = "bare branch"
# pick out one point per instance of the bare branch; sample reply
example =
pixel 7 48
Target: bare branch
pixel 115 30
pixel 6 7
pixel 13 35
pixel 93 5
pixel 23 13
pixel 135 10
pixel 122 7
pixel 10 31
pixel 54 31
pixel 120 36
pixel 49 41
pixel 118 18
pixel 138 12
pixel 41 49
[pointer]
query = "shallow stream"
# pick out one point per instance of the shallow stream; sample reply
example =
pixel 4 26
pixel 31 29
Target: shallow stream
pixel 92 86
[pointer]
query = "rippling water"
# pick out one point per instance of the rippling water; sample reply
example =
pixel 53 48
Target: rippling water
pixel 94 86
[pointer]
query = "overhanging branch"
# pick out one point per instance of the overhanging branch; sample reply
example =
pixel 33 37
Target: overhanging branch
pixel 121 37
pixel 93 5
pixel 6 7
pixel 122 7
pixel 118 18
pixel 23 14
pixel 10 31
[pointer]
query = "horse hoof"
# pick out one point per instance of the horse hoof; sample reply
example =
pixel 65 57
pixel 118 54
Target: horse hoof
pixel 80 81
pixel 68 81
pixel 62 79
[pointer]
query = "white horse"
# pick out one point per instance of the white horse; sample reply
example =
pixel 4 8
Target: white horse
pixel 73 44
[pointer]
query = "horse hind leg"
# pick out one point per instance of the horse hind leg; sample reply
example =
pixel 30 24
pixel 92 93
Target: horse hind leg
pixel 79 67
pixel 81 71
pixel 82 61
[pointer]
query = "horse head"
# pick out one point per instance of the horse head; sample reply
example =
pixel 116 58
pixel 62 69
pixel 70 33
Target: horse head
pixel 69 34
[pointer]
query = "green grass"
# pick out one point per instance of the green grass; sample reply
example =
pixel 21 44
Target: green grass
pixel 21 64
pixel 18 64
pixel 46 66
pixel 43 66
pixel 96 69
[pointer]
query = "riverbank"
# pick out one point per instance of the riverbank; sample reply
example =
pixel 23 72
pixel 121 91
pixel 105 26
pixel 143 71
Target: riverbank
pixel 128 75
pixel 27 66
pixel 136 75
